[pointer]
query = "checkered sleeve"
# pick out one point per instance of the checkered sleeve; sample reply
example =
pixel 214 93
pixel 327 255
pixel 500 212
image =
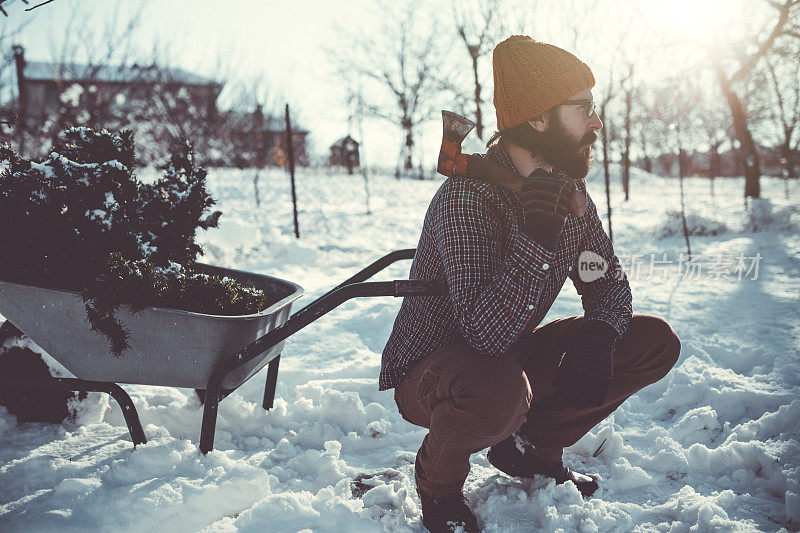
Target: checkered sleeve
pixel 495 284
pixel 608 298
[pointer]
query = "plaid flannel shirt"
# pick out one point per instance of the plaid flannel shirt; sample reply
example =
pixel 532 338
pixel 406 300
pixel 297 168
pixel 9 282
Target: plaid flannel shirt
pixel 501 282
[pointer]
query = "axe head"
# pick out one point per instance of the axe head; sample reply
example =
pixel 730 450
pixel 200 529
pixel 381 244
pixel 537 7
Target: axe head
pixel 454 129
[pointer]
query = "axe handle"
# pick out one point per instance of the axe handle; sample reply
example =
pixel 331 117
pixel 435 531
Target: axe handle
pixel 477 167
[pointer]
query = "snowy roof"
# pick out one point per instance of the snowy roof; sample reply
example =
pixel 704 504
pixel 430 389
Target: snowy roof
pixel 340 142
pixel 40 70
pixel 271 122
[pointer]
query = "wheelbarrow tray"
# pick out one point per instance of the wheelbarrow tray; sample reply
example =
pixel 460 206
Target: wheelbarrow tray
pixel 168 347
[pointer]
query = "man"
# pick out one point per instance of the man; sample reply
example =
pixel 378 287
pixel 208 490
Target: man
pixel 472 366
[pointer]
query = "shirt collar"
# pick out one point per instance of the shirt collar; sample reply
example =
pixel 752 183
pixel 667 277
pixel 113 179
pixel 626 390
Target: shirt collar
pixel 498 154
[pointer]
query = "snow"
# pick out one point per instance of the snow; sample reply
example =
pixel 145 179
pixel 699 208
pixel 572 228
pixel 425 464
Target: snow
pixel 714 446
pixel 71 95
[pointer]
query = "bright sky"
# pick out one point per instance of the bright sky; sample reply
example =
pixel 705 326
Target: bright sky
pixel 285 43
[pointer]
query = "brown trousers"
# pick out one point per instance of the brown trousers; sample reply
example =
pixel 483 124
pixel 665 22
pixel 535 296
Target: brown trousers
pixel 470 401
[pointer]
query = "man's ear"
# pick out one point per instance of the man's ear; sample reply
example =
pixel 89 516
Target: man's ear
pixel 540 123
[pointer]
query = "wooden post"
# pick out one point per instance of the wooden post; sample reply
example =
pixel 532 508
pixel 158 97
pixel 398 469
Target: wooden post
pixel 290 149
pixel 22 93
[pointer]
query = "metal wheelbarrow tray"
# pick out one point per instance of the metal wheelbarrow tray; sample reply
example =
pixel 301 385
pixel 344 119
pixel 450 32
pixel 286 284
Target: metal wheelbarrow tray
pixel 170 347
pixel 167 346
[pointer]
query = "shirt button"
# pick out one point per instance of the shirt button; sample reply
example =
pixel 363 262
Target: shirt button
pixel 531 307
pixel 545 266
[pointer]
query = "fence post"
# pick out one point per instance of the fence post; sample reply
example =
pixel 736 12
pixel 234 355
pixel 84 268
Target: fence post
pixel 290 148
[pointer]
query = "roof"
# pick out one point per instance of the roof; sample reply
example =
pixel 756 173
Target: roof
pixel 44 71
pixel 341 141
pixel 272 123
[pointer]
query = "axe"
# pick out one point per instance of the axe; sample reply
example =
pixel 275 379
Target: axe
pixel 453 163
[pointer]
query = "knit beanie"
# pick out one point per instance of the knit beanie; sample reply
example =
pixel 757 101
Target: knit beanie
pixel 530 77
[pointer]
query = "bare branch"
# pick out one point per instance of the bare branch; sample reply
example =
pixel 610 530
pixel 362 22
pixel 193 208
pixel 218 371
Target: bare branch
pixel 784 11
pixel 38 5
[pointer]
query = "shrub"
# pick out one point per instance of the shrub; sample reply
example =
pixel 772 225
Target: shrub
pixel 696 224
pixel 80 220
pixel 763 216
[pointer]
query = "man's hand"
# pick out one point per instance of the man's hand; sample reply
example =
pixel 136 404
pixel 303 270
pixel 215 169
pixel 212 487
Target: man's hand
pixel 545 201
pixel 586 370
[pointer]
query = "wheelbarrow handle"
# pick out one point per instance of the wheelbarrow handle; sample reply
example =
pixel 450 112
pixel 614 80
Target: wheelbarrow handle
pixel 354 287
pixel 369 271
pixel 322 306
pixel 419 287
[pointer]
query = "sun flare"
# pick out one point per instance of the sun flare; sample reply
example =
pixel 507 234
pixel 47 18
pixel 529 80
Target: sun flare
pixel 696 20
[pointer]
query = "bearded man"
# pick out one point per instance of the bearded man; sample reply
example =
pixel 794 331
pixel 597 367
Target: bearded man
pixel 475 367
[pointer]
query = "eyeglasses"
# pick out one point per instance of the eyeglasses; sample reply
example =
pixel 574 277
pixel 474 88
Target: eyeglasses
pixel 588 104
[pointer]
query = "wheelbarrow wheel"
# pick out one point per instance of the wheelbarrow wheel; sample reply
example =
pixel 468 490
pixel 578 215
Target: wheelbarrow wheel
pixel 32 405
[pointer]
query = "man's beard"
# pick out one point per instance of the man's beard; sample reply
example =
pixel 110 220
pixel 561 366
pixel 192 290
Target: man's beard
pixel 561 150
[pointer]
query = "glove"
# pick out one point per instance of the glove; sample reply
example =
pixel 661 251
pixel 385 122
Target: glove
pixel 586 369
pixel 545 203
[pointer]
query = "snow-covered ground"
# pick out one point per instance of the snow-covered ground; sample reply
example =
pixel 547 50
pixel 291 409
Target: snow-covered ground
pixel 714 446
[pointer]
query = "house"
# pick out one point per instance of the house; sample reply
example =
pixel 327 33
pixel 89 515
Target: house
pixel 161 105
pixel 344 152
pixel 45 88
pixel 259 139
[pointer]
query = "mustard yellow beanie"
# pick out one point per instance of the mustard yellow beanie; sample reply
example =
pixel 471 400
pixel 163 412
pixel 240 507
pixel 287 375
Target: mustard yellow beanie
pixel 530 77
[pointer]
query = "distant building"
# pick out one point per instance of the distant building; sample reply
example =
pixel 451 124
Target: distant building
pixel 43 87
pixel 344 152
pixel 167 102
pixel 260 140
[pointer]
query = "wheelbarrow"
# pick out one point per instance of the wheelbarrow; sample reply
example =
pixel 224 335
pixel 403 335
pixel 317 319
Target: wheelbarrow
pixel 174 348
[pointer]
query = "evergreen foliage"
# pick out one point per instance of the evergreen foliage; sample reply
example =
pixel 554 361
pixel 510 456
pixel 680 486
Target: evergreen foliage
pixel 80 220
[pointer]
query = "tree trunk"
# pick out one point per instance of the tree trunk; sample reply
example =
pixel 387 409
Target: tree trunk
pixel 786 156
pixel 681 172
pixel 786 159
pixel 752 169
pixel 255 187
pixel 478 101
pixel 626 162
pixel 648 163
pixel 408 163
pixel 713 166
pixel 604 134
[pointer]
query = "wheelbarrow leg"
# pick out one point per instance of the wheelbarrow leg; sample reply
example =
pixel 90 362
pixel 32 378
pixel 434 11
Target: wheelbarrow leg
pixel 272 382
pixel 209 425
pixel 130 414
pixel 80 385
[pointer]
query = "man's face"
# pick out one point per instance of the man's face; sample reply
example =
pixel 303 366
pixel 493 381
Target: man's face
pixel 566 142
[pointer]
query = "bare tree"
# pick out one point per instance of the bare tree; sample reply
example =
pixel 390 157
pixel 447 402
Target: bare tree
pixel 712 122
pixel 642 128
pixel 628 89
pixel 9 109
pixel 784 80
pixel 83 55
pixel 677 102
pixel 746 57
pixel 398 60
pixel 605 100
pixel 479 24
pixel 254 105
pixel 355 101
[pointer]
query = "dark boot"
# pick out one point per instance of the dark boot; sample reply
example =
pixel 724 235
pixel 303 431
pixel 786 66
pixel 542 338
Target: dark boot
pixel 507 457
pixel 444 515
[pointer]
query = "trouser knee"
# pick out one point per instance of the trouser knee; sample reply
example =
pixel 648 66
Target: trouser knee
pixel 498 398
pixel 666 346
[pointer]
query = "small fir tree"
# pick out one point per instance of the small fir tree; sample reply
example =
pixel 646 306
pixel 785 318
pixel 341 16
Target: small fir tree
pixel 80 220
